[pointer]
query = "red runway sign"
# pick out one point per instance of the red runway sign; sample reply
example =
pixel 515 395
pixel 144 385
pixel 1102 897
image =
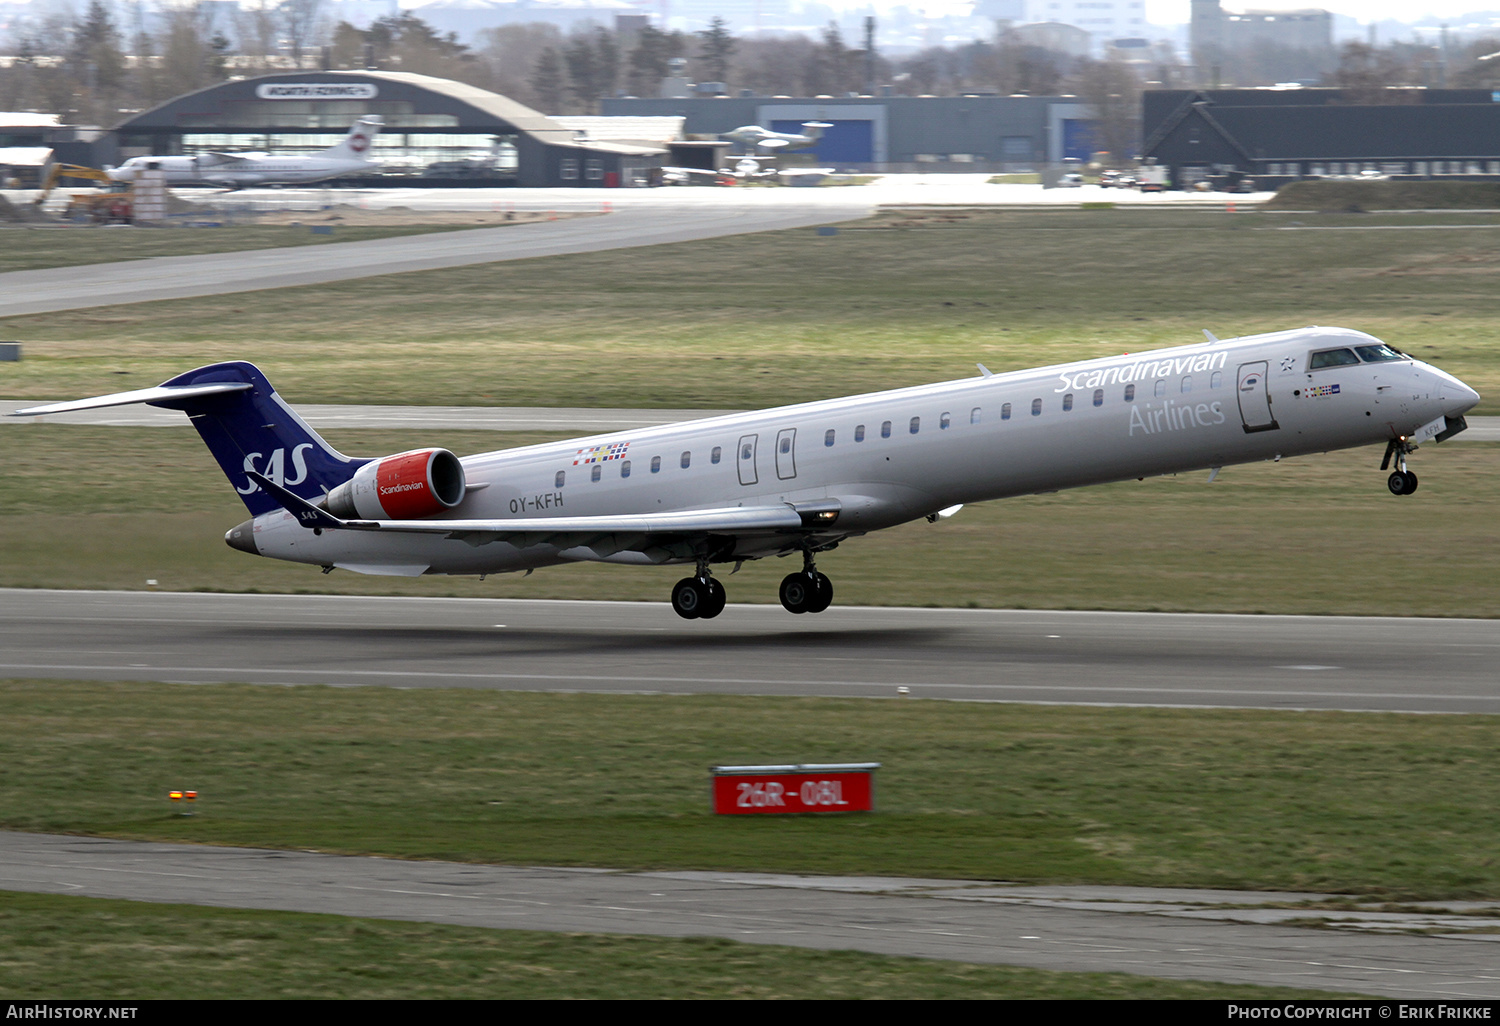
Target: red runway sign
pixel 837 787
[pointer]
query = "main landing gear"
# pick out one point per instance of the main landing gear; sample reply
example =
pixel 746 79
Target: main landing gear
pixel 1401 481
pixel 701 597
pixel 807 591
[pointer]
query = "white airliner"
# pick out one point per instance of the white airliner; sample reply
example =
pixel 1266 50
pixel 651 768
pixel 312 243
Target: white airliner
pixel 799 480
pixel 241 170
pixel 754 137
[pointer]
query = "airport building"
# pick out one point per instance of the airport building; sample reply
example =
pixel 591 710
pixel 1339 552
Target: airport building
pixel 1279 136
pixel 436 131
pixel 898 133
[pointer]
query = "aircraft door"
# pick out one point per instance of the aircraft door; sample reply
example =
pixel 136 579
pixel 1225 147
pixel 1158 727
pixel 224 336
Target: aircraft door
pixel 786 453
pixel 745 458
pixel 1255 398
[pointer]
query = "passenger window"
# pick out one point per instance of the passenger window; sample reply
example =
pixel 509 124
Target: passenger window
pixel 1098 397
pixel 786 445
pixel 828 437
pixel 656 464
pixel 716 455
pixel 687 459
pixel 1332 358
pixel 625 468
pixel 974 415
pixel 1005 412
pixel 944 421
pixel 1161 388
pixel 1036 407
pixel 1067 402
pixel 859 433
pixel 1187 383
pixel 1130 393
pixel 1217 381
pixel 595 473
pixel 746 451
pixel 558 481
pixel 916 424
pixel 885 429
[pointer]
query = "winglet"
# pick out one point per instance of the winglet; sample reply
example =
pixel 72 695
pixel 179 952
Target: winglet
pixel 1209 335
pixel 985 370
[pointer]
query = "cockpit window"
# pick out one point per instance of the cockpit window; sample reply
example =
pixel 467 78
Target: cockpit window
pixel 1332 358
pixel 1377 354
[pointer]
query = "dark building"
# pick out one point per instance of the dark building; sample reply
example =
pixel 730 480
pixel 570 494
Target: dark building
pixel 1278 136
pixel 437 130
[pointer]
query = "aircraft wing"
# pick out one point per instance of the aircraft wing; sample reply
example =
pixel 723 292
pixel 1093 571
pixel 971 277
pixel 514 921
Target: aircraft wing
pixel 613 533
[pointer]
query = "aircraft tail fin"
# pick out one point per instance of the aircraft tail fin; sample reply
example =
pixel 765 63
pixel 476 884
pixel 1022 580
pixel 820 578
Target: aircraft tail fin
pixel 247 427
pixel 356 145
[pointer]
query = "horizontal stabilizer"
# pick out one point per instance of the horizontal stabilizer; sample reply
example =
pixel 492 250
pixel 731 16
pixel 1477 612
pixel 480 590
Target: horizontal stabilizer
pixel 161 393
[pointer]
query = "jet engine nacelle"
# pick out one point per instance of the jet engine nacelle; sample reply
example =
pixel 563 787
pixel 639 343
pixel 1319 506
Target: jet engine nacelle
pixel 401 487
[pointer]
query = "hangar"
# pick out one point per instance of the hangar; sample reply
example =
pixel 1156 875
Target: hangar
pixel 899 133
pixel 1279 136
pixel 436 130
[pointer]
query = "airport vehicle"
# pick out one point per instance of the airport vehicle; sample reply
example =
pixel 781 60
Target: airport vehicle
pixel 1153 178
pixel 114 205
pixel 754 137
pixel 800 480
pixel 242 170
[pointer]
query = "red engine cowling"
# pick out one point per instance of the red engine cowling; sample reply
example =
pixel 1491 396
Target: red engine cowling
pixel 405 486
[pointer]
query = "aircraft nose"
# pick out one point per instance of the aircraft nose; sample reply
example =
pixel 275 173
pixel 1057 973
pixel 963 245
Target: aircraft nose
pixel 1457 397
pixel 242 538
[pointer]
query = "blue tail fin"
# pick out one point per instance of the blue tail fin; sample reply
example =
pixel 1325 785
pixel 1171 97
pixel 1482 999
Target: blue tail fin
pixel 254 429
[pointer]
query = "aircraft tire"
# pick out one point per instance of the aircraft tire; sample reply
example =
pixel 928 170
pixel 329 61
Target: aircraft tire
pixel 1402 482
pixel 822 593
pixel 717 597
pixel 689 598
pixel 797 593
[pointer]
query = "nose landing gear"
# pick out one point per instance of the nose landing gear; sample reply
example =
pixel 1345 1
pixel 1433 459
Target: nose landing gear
pixel 1401 481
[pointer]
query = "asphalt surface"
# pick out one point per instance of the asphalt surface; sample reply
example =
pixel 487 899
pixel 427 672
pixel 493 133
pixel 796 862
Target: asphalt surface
pixel 138 281
pixel 1186 934
pixel 1200 661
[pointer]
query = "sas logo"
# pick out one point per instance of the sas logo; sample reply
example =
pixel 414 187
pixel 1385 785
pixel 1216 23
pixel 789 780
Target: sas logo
pixel 274 468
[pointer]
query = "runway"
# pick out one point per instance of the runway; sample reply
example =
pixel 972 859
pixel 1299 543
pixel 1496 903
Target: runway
pixel 1186 934
pixel 1138 659
pixel 138 281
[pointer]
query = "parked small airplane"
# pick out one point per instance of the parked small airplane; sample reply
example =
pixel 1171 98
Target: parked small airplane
pixel 799 480
pixel 240 170
pixel 754 137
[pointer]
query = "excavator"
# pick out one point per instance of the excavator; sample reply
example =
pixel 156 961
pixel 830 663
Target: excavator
pixel 114 205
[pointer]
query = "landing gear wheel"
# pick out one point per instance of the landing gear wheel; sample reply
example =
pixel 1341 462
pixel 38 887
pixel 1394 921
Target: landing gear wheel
pixel 1402 482
pixel 717 596
pixel 823 595
pixel 797 592
pixel 691 599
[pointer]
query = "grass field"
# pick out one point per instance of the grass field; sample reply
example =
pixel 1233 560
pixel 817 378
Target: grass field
pixel 1389 807
pixel 760 320
pixel 133 951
